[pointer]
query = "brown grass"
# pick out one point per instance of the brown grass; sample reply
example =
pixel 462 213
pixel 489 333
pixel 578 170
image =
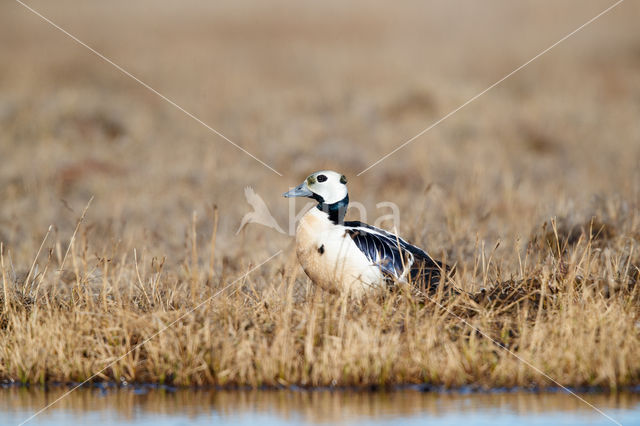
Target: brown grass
pixel 532 191
pixel 572 315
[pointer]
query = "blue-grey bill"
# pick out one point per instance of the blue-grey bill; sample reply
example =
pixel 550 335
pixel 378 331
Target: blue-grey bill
pixel 299 191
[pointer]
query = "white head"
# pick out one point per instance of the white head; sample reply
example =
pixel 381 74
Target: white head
pixel 326 186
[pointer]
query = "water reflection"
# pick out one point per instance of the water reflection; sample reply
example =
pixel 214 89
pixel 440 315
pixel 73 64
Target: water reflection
pixel 274 407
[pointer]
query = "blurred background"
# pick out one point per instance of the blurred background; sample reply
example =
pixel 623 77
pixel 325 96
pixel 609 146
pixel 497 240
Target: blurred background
pixel 306 86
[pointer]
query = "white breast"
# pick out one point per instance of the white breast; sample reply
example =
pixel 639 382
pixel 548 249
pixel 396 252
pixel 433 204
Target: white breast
pixel 330 257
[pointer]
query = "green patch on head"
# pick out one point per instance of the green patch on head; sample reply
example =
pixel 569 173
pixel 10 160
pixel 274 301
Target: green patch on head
pixel 311 180
pixel 343 179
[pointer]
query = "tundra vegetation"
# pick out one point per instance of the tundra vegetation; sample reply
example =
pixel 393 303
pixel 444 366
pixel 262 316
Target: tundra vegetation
pixel 118 213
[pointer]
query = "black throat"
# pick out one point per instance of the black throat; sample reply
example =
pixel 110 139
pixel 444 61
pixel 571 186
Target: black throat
pixel 336 211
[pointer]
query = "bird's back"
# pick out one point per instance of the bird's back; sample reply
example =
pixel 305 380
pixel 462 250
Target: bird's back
pixel 397 258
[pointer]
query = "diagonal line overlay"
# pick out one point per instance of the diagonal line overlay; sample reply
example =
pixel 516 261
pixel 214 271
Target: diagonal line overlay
pixel 145 85
pixel 407 142
pixel 150 337
pixel 434 124
pixel 524 361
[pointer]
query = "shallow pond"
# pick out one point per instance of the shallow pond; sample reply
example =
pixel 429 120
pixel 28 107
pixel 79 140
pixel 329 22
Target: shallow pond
pixel 159 407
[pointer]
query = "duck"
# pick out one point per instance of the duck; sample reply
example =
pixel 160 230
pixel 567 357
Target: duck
pixel 352 256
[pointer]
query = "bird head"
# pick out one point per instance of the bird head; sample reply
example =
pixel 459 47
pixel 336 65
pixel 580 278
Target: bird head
pixel 326 186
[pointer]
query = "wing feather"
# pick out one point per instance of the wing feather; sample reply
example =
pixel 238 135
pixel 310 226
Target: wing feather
pixel 395 257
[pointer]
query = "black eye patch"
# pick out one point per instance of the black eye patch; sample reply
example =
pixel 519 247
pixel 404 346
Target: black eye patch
pixel 321 178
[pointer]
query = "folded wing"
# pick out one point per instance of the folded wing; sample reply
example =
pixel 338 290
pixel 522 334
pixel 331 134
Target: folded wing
pixel 397 259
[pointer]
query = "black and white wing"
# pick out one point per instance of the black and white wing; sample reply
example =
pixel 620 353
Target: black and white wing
pixel 396 258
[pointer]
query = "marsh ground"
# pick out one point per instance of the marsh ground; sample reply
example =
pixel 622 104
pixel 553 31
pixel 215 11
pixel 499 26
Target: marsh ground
pixel 306 87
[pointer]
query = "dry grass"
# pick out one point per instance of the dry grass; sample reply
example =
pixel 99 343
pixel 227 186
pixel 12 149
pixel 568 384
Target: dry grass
pixel 321 86
pixel 574 315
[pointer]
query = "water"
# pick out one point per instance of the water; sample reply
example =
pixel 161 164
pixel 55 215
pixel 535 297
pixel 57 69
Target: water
pixel 160 407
